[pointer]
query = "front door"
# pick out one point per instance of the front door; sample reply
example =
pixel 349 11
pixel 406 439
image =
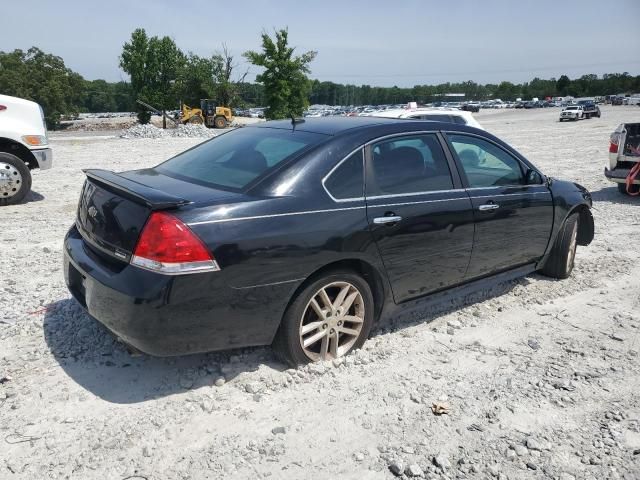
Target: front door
pixel 420 218
pixel 513 214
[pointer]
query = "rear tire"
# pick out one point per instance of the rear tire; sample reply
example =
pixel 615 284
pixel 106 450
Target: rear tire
pixel 561 260
pixel 220 122
pixel 347 323
pixel 15 179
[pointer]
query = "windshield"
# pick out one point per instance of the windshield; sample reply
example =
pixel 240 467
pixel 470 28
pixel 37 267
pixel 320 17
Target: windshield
pixel 235 159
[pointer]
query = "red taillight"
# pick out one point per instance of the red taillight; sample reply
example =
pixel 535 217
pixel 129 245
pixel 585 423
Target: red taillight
pixel 3 107
pixel 613 147
pixel 167 245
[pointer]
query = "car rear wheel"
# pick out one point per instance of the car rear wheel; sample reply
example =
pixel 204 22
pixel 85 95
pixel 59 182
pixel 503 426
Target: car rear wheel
pixel 560 262
pixel 15 179
pixel 328 319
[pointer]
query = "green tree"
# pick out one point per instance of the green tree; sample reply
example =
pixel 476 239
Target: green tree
pixel 284 78
pixel 154 65
pixel 43 78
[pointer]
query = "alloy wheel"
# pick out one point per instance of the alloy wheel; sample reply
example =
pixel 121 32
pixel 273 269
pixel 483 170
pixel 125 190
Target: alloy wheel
pixel 332 321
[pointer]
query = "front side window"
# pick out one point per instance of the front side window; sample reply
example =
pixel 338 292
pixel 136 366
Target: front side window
pixel 347 181
pixel 485 164
pixel 408 165
pixel 235 159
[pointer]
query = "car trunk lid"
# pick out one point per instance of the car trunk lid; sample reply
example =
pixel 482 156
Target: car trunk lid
pixel 114 207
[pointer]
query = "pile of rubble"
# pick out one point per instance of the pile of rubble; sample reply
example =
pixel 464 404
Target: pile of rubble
pixel 182 131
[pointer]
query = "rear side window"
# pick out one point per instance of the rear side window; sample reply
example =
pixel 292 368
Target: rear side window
pixel 235 159
pixel 409 165
pixel 347 181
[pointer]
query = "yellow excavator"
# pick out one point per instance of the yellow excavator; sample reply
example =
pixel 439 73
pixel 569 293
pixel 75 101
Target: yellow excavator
pixel 209 114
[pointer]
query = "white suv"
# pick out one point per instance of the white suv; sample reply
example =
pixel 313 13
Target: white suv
pixel 23 147
pixel 459 117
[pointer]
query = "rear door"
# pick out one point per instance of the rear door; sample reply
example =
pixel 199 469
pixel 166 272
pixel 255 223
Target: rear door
pixel 419 215
pixel 513 215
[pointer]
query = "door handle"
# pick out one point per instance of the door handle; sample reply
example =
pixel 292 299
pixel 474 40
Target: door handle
pixel 386 220
pixel 488 206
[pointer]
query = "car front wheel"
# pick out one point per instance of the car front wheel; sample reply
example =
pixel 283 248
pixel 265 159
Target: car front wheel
pixel 561 260
pixel 329 318
pixel 15 179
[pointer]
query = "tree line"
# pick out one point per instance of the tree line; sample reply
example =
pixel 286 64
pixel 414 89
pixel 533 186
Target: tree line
pixel 163 75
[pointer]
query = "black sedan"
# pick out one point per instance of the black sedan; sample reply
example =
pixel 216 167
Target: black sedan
pixel 304 233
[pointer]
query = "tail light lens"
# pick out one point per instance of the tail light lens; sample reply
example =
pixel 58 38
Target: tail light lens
pixel 614 142
pixel 166 245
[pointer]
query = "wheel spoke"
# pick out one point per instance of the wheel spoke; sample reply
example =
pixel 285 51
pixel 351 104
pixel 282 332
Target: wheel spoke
pixel 324 347
pixel 349 331
pixel 352 319
pixel 314 338
pixel 346 305
pixel 316 308
pixel 341 296
pixel 335 340
pixel 325 298
pixel 310 327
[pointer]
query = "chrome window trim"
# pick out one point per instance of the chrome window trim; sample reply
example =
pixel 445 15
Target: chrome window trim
pixel 324 179
pixel 413 194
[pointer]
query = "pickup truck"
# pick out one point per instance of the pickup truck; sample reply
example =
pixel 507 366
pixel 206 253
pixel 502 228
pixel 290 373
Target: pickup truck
pixel 624 155
pixel 23 147
pixel 572 112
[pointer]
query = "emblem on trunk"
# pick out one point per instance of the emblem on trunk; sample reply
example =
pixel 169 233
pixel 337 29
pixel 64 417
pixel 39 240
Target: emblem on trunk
pixel 92 211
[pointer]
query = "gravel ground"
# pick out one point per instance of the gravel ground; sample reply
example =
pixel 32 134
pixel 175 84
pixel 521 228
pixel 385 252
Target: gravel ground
pixel 540 377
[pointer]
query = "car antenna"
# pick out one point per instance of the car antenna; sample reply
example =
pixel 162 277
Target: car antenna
pixel 295 120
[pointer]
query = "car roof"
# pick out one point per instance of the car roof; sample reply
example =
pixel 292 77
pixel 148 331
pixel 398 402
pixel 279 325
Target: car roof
pixel 336 126
pixel 329 125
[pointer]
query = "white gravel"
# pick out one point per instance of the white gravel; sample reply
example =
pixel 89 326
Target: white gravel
pixel 541 377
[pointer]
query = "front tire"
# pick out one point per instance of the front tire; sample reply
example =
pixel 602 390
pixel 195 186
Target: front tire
pixel 15 179
pixel 329 318
pixel 561 261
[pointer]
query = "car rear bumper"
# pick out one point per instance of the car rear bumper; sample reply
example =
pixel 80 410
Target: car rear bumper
pixel 619 175
pixel 44 157
pixel 171 315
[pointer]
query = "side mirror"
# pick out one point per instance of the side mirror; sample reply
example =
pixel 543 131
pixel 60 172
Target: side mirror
pixel 532 177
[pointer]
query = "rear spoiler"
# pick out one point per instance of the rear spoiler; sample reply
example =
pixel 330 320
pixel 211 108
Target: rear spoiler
pixel 139 193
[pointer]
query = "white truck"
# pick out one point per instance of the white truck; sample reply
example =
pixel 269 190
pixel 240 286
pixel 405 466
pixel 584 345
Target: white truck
pixel 623 167
pixel 23 147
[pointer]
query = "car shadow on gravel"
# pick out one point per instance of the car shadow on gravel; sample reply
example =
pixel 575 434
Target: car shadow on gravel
pixel 611 194
pixel 430 308
pixel 32 197
pixel 94 358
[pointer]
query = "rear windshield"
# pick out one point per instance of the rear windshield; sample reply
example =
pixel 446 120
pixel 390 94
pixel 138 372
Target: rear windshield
pixel 235 159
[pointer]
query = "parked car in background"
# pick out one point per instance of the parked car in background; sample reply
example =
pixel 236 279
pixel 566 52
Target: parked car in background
pixel 23 147
pixel 589 108
pixel 270 234
pixel 572 112
pixel 459 117
pixel 470 107
pixel 624 158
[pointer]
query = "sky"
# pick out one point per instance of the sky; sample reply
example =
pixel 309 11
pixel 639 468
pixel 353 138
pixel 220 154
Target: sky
pixel 374 42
